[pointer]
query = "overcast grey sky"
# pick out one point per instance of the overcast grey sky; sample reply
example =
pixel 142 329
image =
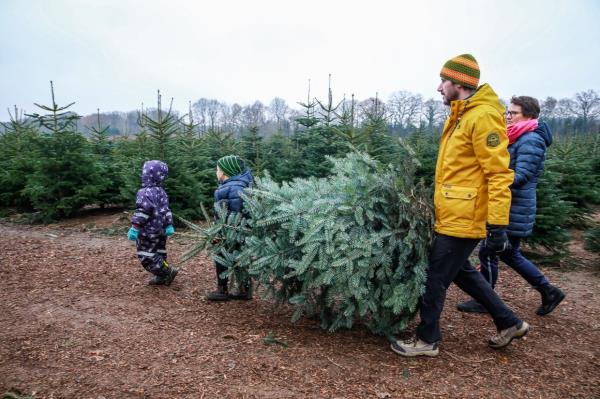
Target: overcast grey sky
pixel 114 54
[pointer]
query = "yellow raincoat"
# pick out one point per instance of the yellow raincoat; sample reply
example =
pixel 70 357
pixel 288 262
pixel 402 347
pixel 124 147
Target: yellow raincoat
pixel 472 177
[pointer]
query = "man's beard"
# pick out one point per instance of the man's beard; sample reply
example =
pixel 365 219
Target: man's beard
pixel 447 98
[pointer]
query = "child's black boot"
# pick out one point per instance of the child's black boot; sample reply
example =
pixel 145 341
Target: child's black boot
pixel 157 280
pixel 171 276
pixel 167 276
pixel 245 292
pixel 220 294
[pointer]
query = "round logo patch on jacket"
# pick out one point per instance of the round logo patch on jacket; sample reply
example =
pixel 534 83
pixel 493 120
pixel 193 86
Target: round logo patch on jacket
pixel 493 139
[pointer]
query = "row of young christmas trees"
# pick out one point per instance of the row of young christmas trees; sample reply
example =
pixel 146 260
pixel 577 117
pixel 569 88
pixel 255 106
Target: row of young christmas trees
pixel 51 170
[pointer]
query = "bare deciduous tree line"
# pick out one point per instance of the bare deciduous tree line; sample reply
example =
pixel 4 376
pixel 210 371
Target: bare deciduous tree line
pixel 404 111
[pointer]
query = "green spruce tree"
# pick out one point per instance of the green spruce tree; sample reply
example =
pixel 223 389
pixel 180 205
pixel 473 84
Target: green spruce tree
pixel 18 156
pixel 163 129
pixel 191 180
pixel 570 159
pixel 65 177
pixel 107 166
pixel 425 147
pixel 378 142
pixel 552 216
pixel 316 138
pixel 282 159
pixel 252 150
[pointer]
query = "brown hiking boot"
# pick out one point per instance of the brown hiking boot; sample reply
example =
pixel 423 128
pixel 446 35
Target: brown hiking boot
pixel 415 347
pixel 504 337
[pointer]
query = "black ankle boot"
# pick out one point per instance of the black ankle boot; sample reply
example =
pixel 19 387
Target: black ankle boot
pixel 167 278
pixel 171 276
pixel 551 297
pixel 157 280
pixel 244 294
pixel 220 294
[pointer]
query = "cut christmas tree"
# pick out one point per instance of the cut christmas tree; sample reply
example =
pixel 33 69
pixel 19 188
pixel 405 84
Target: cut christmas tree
pixel 346 248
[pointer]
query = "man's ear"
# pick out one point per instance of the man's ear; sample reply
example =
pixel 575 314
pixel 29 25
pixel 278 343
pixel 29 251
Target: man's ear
pixel 458 86
pixel 466 90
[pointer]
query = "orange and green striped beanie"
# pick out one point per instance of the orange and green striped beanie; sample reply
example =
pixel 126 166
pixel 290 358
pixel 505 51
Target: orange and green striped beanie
pixel 462 70
pixel 231 165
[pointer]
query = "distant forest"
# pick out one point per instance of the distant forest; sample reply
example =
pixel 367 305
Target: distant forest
pixel 405 112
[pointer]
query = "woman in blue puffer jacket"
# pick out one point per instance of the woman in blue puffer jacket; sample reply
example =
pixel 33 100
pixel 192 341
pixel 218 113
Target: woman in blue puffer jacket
pixel 528 140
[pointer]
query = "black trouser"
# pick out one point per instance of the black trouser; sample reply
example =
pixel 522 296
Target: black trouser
pixel 220 268
pixel 221 281
pixel 449 262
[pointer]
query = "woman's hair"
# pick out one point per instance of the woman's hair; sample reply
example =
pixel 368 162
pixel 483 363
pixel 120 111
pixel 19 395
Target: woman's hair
pixel 530 107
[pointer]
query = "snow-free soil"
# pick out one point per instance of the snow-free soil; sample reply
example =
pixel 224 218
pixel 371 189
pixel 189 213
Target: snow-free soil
pixel 78 321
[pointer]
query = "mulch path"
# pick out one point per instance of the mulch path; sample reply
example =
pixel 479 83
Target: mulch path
pixel 79 321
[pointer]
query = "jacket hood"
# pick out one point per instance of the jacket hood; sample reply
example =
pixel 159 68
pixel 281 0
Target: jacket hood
pixel 154 173
pixel 245 178
pixel 484 95
pixel 544 131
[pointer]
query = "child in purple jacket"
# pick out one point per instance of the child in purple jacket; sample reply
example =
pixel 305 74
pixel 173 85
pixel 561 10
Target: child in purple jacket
pixel 152 223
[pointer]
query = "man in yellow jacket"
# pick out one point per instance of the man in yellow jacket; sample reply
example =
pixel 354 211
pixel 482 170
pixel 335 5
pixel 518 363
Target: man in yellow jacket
pixel 472 201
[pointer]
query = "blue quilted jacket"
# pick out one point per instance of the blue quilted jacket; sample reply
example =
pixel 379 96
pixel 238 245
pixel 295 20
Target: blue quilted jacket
pixel 527 156
pixel 229 191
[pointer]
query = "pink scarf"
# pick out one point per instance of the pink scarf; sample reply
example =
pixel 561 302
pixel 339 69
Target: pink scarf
pixel 517 129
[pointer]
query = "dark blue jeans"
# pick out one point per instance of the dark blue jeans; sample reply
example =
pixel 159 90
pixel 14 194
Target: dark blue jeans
pixel 449 262
pixel 513 258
